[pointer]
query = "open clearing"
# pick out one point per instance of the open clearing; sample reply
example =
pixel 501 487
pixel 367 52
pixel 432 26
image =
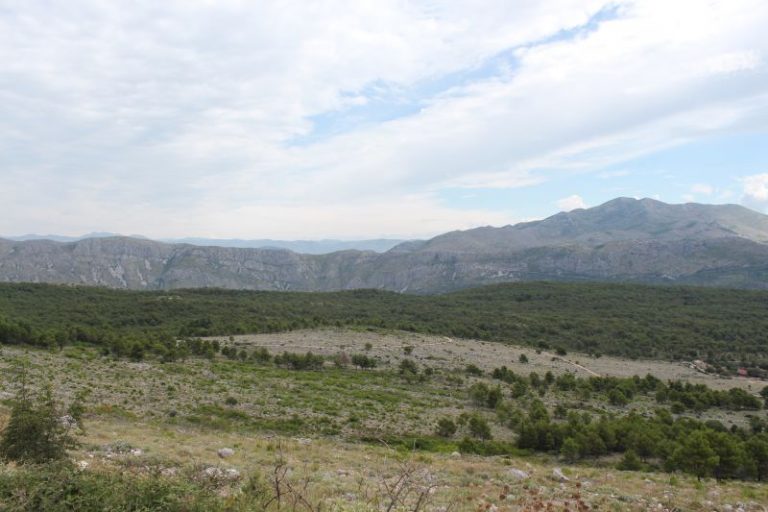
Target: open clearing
pixel 452 353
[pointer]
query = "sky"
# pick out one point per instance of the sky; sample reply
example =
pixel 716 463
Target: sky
pixel 382 118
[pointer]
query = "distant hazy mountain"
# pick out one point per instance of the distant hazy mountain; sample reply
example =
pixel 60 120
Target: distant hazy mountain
pixel 623 240
pixel 62 238
pixel 300 246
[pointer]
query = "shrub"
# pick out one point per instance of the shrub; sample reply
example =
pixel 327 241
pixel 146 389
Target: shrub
pixel 408 366
pixel 494 397
pixel 308 361
pixel 478 392
pixel 446 427
pixel 630 462
pixel 570 450
pixel 58 487
pixel 34 433
pixel 363 361
pixel 341 360
pixel 523 359
pixel 479 428
pixel 472 369
pixel 261 355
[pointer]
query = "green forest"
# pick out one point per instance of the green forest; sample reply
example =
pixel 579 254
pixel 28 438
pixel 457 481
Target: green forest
pixel 727 328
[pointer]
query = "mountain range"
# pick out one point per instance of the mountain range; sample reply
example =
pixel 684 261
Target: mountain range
pixel 630 240
pixel 302 246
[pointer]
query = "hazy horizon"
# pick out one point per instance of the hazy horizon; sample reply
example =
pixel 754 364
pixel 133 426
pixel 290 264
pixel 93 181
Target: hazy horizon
pixel 249 241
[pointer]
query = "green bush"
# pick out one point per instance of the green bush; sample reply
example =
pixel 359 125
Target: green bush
pixel 34 433
pixel 479 428
pixel 630 462
pixel 363 361
pixel 59 487
pixel 446 427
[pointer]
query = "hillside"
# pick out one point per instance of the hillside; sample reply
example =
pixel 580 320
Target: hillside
pixel 246 428
pixel 628 240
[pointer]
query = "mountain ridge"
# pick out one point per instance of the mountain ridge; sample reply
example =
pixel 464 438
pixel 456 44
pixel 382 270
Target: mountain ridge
pixel 322 246
pixel 624 239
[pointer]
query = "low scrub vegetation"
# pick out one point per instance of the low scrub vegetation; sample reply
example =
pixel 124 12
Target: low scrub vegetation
pixel 726 328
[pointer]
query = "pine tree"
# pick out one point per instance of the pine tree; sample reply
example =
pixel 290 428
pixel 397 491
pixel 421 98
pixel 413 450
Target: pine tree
pixel 34 433
pixel 630 461
pixel 695 455
pixel 570 450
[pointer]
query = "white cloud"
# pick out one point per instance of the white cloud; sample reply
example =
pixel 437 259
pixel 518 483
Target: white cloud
pixel 569 203
pixel 734 61
pixel 755 190
pixel 166 115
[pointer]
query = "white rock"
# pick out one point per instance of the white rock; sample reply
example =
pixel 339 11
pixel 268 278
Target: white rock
pixel 557 474
pixel 137 452
pixel 226 452
pixel 232 474
pixel 83 464
pixel 519 474
pixel 456 455
pixel 213 472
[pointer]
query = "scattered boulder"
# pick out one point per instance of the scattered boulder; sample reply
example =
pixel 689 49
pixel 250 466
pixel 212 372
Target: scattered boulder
pixel 456 455
pixel 519 474
pixel 225 452
pixel 558 476
pixel 136 452
pixel 83 464
pixel 213 472
pixel 217 473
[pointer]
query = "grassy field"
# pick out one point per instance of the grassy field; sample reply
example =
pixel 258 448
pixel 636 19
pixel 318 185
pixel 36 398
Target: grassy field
pixel 341 436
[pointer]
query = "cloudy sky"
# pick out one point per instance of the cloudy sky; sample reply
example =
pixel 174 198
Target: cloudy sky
pixel 353 119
